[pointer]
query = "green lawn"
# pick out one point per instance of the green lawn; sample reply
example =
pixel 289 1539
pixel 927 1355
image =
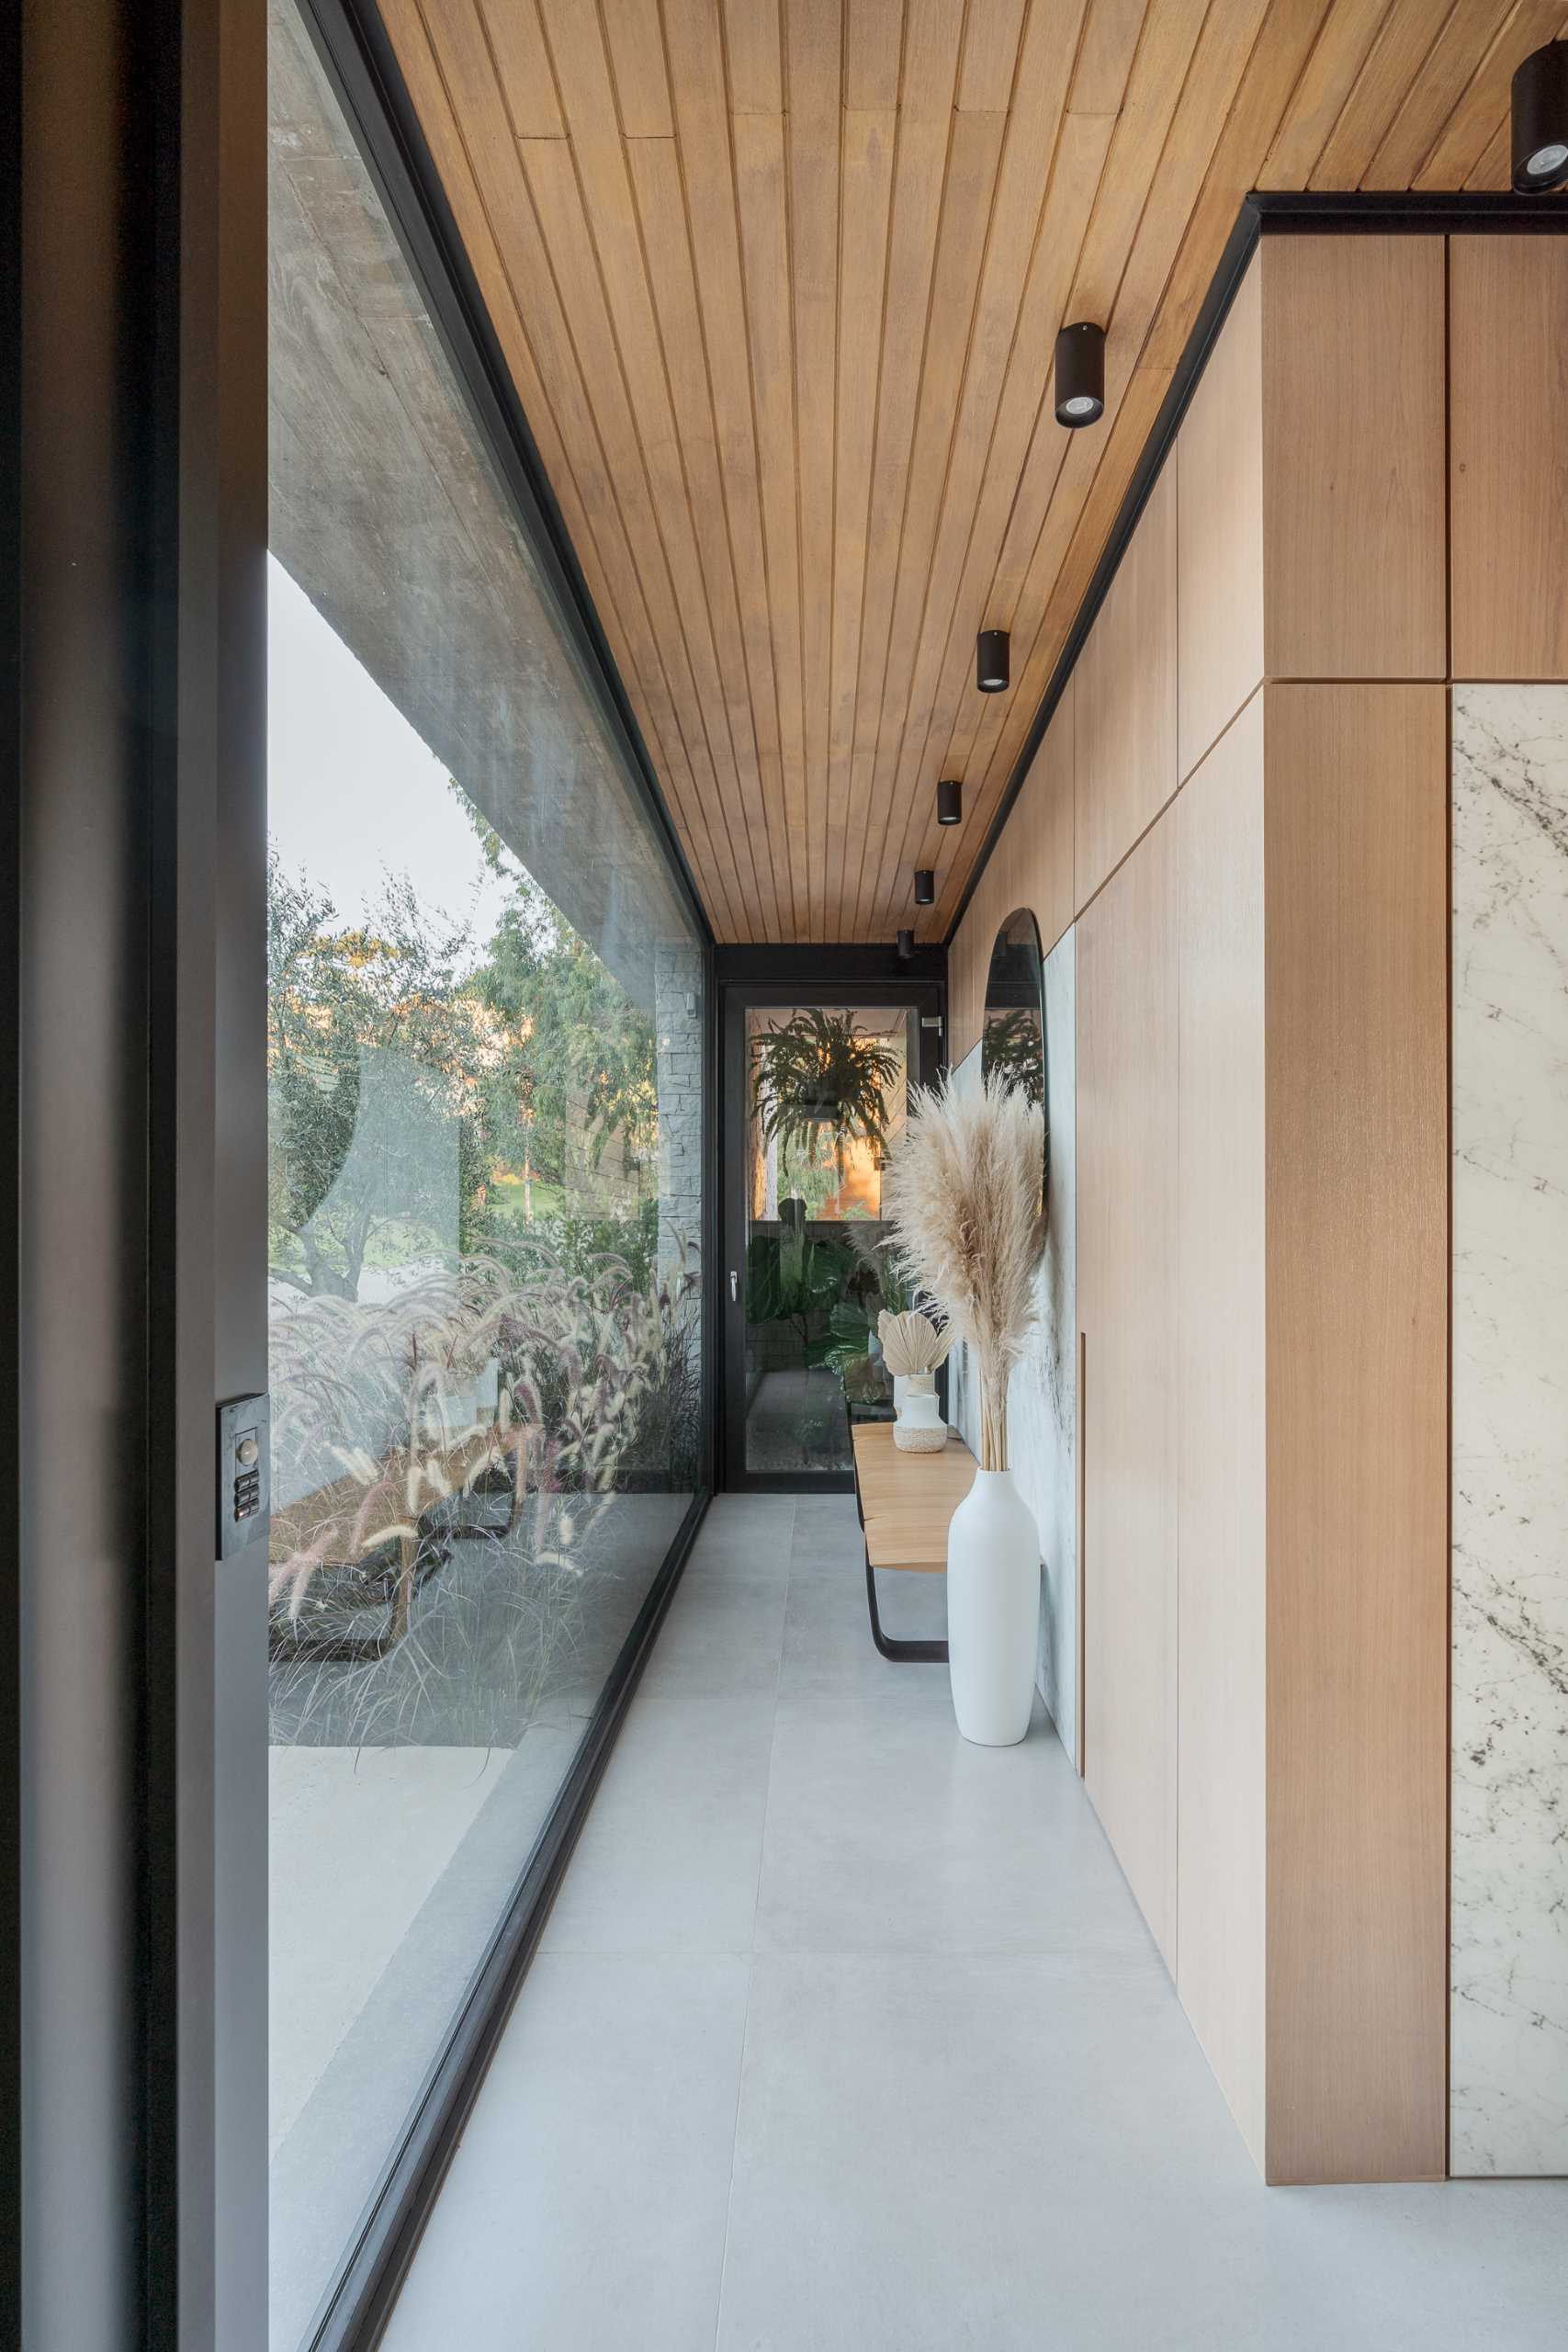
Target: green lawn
pixel 506 1197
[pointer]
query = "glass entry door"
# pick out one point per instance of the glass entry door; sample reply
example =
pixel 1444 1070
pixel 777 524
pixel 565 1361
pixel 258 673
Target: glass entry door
pixel 816 1093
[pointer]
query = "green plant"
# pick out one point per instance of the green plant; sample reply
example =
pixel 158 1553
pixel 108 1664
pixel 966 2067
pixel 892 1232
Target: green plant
pixel 793 1278
pixel 1012 1051
pixel 817 1072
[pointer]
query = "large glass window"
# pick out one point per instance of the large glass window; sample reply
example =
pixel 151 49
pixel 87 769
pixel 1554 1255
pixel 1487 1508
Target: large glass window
pixel 486 1013
pixel 826 1095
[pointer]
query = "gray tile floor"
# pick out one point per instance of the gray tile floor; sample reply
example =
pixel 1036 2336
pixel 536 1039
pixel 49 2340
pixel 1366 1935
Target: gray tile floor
pixel 847 2037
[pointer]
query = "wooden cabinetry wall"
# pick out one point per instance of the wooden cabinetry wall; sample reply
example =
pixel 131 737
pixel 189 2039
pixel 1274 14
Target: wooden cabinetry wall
pixel 1242 799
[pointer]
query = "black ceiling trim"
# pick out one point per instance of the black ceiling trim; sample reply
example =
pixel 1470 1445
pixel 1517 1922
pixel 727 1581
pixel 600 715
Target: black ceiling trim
pixel 810 965
pixel 1270 212
pixel 1408 211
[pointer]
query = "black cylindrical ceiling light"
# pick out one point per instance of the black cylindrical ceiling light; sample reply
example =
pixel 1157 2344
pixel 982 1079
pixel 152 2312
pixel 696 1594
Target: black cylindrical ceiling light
pixel 950 802
pixel 1080 374
pixel 906 945
pixel 925 887
pixel 991 660
pixel 1541 119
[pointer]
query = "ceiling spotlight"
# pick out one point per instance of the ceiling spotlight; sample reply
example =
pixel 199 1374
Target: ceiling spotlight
pixel 1541 119
pixel 1080 374
pixel 925 887
pixel 906 945
pixel 950 802
pixel 991 660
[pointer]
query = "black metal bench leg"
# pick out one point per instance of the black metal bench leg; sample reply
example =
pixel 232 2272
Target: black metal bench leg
pixel 901 1653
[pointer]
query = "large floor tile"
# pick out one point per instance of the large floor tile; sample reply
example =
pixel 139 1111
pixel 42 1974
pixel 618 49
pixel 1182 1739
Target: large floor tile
pixel 827 1634
pixel 888 1831
pixel 744 1535
pixel 1018 2153
pixel 669 1858
pixel 723 1633
pixel 585 2209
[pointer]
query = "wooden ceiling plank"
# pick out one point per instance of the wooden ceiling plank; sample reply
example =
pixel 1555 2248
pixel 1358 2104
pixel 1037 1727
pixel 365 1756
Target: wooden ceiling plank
pixel 919 179
pixel 559 417
pixel 1153 88
pixel 661 206
pixel 1109 45
pixel 813 59
pixel 975 153
pixel 991 43
pixel 1404 38
pixel 704 589
pixel 1274 68
pixel 765 245
pixel 522 67
pixel 1482 104
pixel 636 54
pixel 696 69
pixel 919 173
pixel 552 181
pixel 869 141
pixel 1327 79
pixel 1022 289
pixel 755 57
pixel 1495 166
pixel 1451 63
pixel 1230 34
pixel 873 39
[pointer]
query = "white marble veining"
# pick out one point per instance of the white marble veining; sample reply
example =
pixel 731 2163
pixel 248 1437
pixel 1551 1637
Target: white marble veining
pixel 1509 2065
pixel 1043 1397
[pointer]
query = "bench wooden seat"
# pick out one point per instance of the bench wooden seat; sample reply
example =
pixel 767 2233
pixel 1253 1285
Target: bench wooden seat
pixel 906 1503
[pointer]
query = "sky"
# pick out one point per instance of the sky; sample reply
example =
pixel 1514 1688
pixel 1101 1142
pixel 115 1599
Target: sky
pixel 352 791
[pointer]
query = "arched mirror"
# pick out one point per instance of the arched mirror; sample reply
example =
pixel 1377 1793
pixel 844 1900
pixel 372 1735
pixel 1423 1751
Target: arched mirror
pixel 1013 1044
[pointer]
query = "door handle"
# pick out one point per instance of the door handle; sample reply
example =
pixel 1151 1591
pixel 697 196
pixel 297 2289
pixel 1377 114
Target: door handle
pixel 734 1286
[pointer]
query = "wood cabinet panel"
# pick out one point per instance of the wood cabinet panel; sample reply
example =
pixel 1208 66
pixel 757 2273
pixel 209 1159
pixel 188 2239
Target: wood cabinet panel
pixel 1221 1525
pixel 1126 732
pixel 1219 531
pixel 1126 1279
pixel 1353 457
pixel 1356 817
pixel 1508 484
pixel 1031 866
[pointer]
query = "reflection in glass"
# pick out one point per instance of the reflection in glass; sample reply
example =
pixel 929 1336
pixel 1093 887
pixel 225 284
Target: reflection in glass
pixel 827 1095
pixel 1013 1041
pixel 484 1062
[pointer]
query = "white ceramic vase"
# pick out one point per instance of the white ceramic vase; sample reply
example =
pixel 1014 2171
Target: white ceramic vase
pixel 919 1427
pixel 993 1611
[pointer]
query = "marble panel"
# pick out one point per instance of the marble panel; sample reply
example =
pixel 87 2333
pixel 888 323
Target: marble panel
pixel 1509 2065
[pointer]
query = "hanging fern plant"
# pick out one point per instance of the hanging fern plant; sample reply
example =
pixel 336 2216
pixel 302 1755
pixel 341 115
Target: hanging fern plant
pixel 818 1071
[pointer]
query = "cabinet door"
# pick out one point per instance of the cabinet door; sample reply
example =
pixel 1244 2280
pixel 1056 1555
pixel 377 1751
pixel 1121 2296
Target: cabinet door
pixel 1127 1286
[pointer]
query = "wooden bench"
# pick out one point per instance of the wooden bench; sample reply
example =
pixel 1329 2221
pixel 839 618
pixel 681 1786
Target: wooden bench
pixel 906 1503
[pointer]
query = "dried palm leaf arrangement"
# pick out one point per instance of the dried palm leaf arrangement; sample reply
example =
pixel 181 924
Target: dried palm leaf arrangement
pixel 964 1195
pixel 912 1343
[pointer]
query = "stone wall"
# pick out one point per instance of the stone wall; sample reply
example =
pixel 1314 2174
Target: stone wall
pixel 678 1019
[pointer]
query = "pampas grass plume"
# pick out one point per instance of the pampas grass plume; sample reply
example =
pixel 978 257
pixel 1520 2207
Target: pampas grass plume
pixel 964 1195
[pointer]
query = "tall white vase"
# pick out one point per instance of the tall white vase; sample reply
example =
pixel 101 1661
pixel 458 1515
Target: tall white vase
pixel 993 1611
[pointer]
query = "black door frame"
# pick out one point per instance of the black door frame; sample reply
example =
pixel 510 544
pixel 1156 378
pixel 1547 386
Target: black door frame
pixel 859 977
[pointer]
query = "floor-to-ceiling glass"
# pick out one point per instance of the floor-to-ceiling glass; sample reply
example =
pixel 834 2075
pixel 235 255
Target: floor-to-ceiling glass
pixel 820 1091
pixel 484 1062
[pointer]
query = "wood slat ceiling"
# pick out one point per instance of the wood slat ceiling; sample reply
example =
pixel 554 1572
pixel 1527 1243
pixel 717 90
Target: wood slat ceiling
pixel 779 281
